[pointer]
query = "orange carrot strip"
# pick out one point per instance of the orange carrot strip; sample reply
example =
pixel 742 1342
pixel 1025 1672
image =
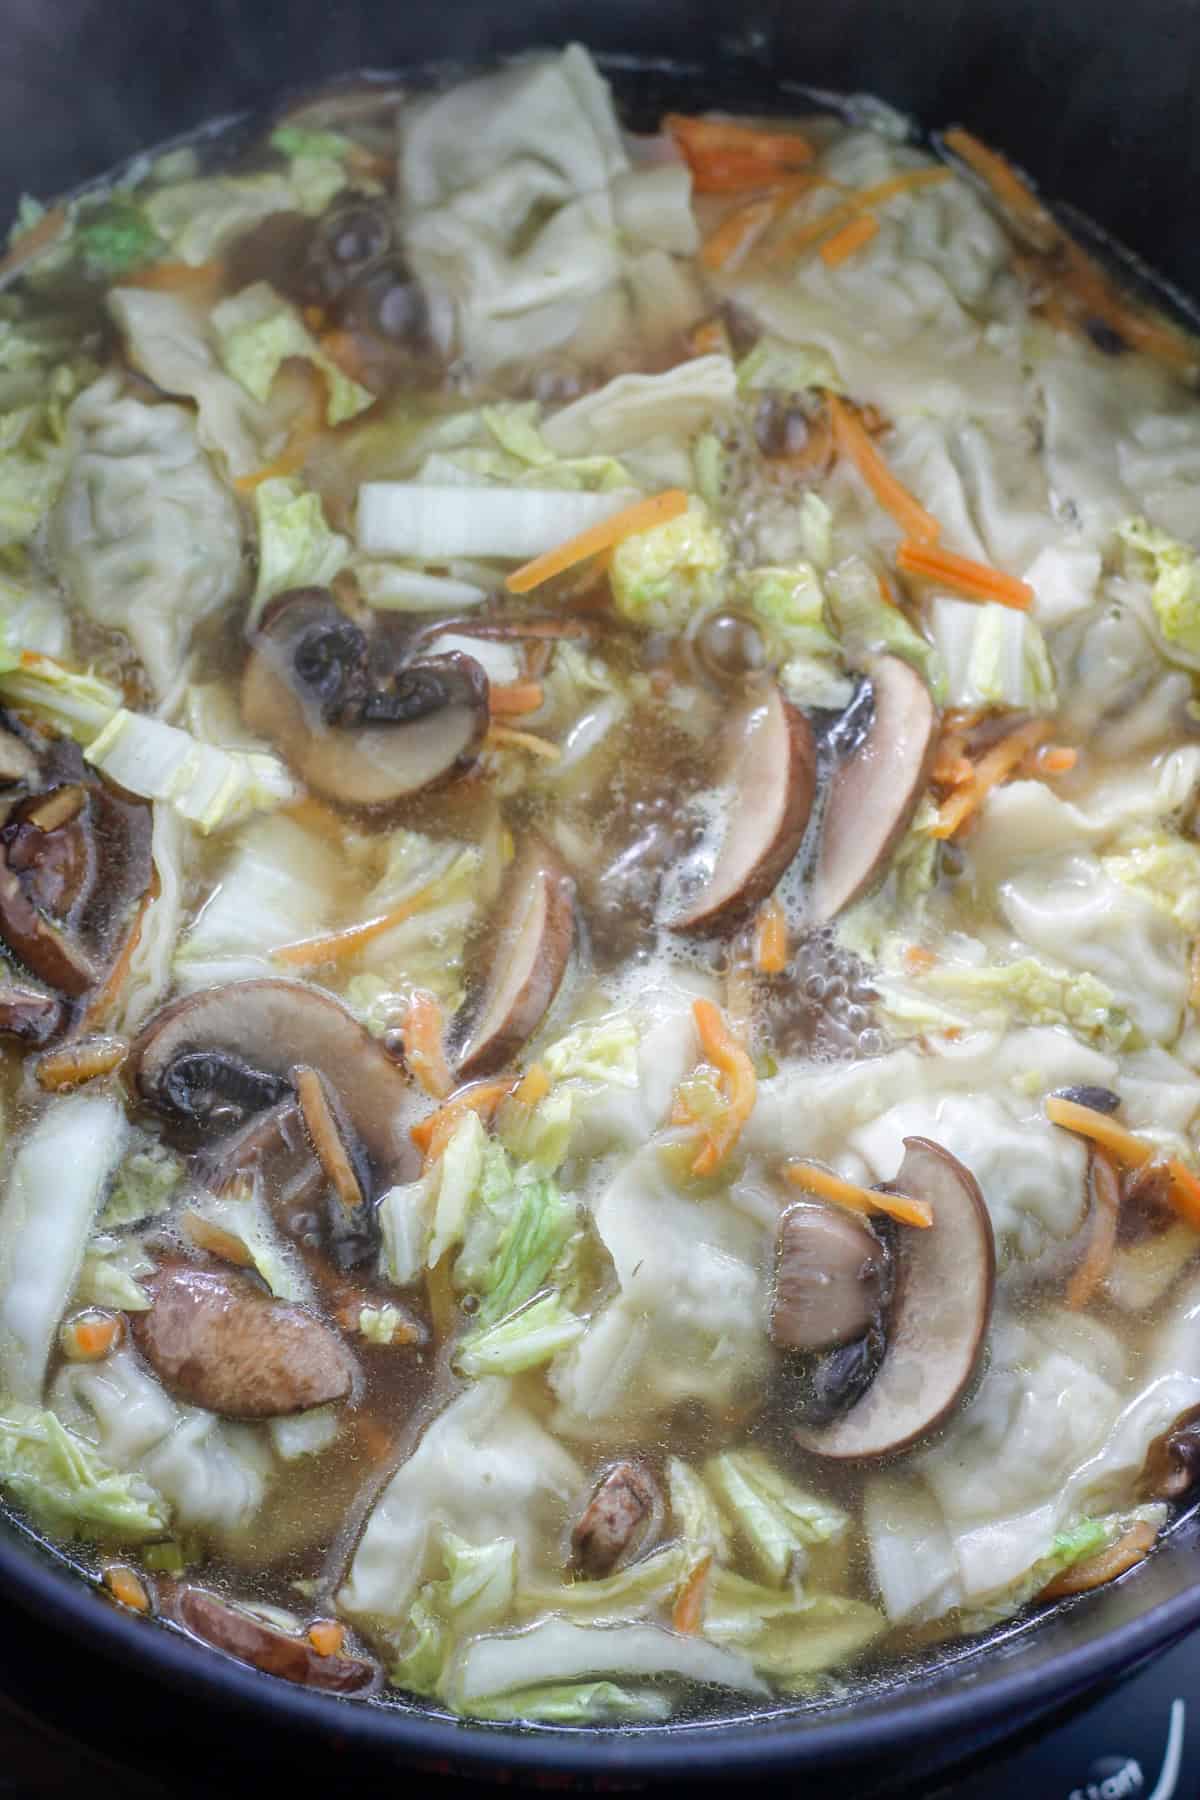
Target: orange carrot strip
pixel 738 1081
pixel 1127 1150
pixel 511 699
pixel 432 1133
pixel 993 768
pixel 533 1086
pixel 1102 1233
pixel 326 1636
pixel 86 1060
pixel 1054 759
pixel 771 938
pixel 423 1047
pixel 1105 1566
pixel 865 199
pixel 305 428
pixel 40 236
pixel 94 1338
pixel 126 1587
pixel 216 1240
pixel 847 242
pixel 736 232
pixel 1194 976
pixel 503 737
pixel 1014 194
pixel 708 338
pixel 688 1610
pixel 817 1179
pixel 195 281
pixel 339 946
pixel 974 581
pixel 643 515
pixel 918 960
pixel 724 156
pixel 854 442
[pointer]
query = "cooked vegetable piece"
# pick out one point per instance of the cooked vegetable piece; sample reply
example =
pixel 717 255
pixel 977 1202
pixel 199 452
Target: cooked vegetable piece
pixel 292 1656
pixel 218 1342
pixel 620 1520
pixel 528 958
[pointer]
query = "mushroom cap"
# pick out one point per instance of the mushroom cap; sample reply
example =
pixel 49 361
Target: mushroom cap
pixel 274 1026
pixel 364 731
pixel 770 764
pixel 527 959
pixel 276 1652
pixel 875 792
pixel 945 1281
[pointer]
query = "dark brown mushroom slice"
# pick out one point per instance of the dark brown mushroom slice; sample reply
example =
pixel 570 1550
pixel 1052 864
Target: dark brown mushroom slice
pixel 1096 1099
pixel 268 1647
pixel 622 1518
pixel 362 727
pixel 875 792
pixel 218 1341
pixel 830 1278
pixel 528 955
pixel 770 771
pixel 937 1324
pixel 346 240
pixel 28 1015
pixel 1172 1466
pixel 43 945
pixel 275 1138
pixel 265 1028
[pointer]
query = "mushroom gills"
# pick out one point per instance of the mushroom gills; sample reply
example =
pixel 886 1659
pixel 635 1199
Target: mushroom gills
pixel 528 959
pixel 935 1328
pixel 875 791
pixel 770 775
pixel 361 724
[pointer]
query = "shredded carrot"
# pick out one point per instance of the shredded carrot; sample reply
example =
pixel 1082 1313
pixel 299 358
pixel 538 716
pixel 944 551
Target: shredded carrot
pixel 201 282
pixel 511 699
pixel 866 199
pixel 342 348
pixel 725 247
pixel 1054 759
pixel 643 515
pixel 1105 1189
pixel 305 428
pixel 326 1637
pixel 853 237
pixel 854 442
pixel 771 938
pixel 325 1135
pixel 817 1179
pixel 533 1086
pixel 1194 976
pixel 46 231
pixel 503 737
pixel 94 1337
pixel 340 946
pixel 725 157
pixel 991 769
pixel 423 1047
pixel 73 1064
pixel 708 338
pixel 216 1240
pixel 107 994
pixel 688 1610
pixel 432 1133
pixel 1105 1566
pixel 126 1587
pixel 918 960
pixel 1015 195
pixel 738 1082
pixel 974 581
pixel 1128 1150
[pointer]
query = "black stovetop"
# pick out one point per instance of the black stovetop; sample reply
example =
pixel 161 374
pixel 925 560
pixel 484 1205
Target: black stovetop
pixel 68 1721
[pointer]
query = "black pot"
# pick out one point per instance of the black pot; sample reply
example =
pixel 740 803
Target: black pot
pixel 1100 103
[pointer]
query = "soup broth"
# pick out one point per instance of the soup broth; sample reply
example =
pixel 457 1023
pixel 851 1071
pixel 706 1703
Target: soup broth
pixel 598 897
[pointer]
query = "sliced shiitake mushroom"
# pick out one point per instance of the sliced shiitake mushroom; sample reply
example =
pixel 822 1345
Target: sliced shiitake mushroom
pixel 240 1633
pixel 359 724
pixel 218 1341
pixel 220 1056
pixel 1172 1466
pixel 937 1324
pixel 875 792
pixel 770 772
pixel 28 1015
pixel 622 1518
pixel 528 955
pixel 830 1278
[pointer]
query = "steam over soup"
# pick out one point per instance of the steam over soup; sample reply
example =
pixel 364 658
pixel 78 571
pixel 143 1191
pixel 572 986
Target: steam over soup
pixel 599 889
